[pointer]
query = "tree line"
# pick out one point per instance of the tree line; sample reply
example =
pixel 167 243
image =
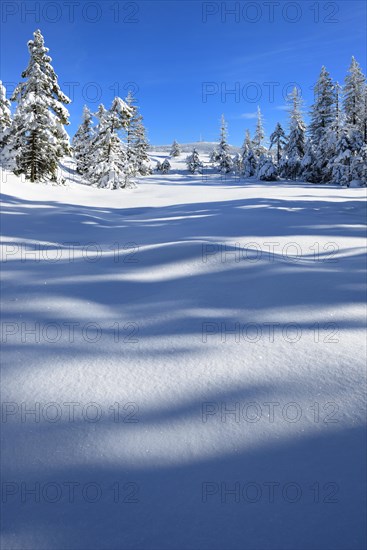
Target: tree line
pixel 110 146
pixel 333 149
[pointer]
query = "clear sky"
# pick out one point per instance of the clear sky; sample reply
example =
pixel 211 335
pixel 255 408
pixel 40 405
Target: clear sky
pixel 182 58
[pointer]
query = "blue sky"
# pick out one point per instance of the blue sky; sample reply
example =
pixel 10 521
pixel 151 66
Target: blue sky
pixel 182 58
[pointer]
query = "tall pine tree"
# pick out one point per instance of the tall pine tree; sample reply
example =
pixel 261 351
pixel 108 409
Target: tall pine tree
pixel 38 138
pixel 82 142
pixel 109 166
pixel 279 140
pixel 354 97
pixel 136 141
pixel 290 163
pixel 5 115
pixel 257 142
pixel 247 143
pixel 221 155
pixel 175 149
pixel 322 126
pixel 323 109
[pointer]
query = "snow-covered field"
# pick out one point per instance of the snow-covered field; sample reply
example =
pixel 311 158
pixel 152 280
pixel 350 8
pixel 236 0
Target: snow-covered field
pixel 194 352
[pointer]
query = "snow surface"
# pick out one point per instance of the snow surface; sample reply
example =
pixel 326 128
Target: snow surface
pixel 161 293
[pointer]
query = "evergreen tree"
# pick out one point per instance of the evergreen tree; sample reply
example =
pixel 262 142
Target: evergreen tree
pixel 290 164
pixel 341 164
pixel 245 149
pixel 338 122
pixel 38 138
pixel 130 131
pixel 266 170
pixel 249 164
pixel 354 97
pixel 109 167
pixel 82 142
pixel 358 159
pixel 257 142
pixel 175 149
pixel 214 156
pixel 322 128
pixel 193 162
pixel 323 109
pixel 136 141
pixel 141 147
pixel 238 164
pixel 308 168
pixel 5 115
pixel 358 167
pixel 247 143
pixel 221 156
pixel 279 140
pixel 166 166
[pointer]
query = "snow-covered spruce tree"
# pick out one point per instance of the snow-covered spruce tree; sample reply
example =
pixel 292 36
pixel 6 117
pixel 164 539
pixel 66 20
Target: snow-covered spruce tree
pixel 350 160
pixel 249 164
pixel 141 147
pixel 339 118
pixel 5 115
pixel 193 162
pixel 238 164
pixel 166 166
pixel 109 167
pixel 308 170
pixel 247 143
pixel 358 160
pixel 354 97
pixel 37 138
pixel 341 164
pixel 245 149
pixel 290 164
pixel 257 142
pixel 323 110
pixel 82 142
pixel 130 132
pixel 158 166
pixel 5 123
pixel 359 167
pixel 175 149
pixel 266 169
pixel 322 131
pixel 221 156
pixel 213 157
pixel 332 135
pixel 136 141
pixel 278 140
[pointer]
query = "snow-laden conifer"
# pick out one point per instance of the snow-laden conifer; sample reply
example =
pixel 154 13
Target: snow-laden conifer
pixel 109 167
pixel 82 142
pixel 257 142
pixel 221 156
pixel 250 163
pixel 354 97
pixel 193 162
pixel 290 164
pixel 266 169
pixel 5 115
pixel 175 149
pixel 278 140
pixel 37 138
